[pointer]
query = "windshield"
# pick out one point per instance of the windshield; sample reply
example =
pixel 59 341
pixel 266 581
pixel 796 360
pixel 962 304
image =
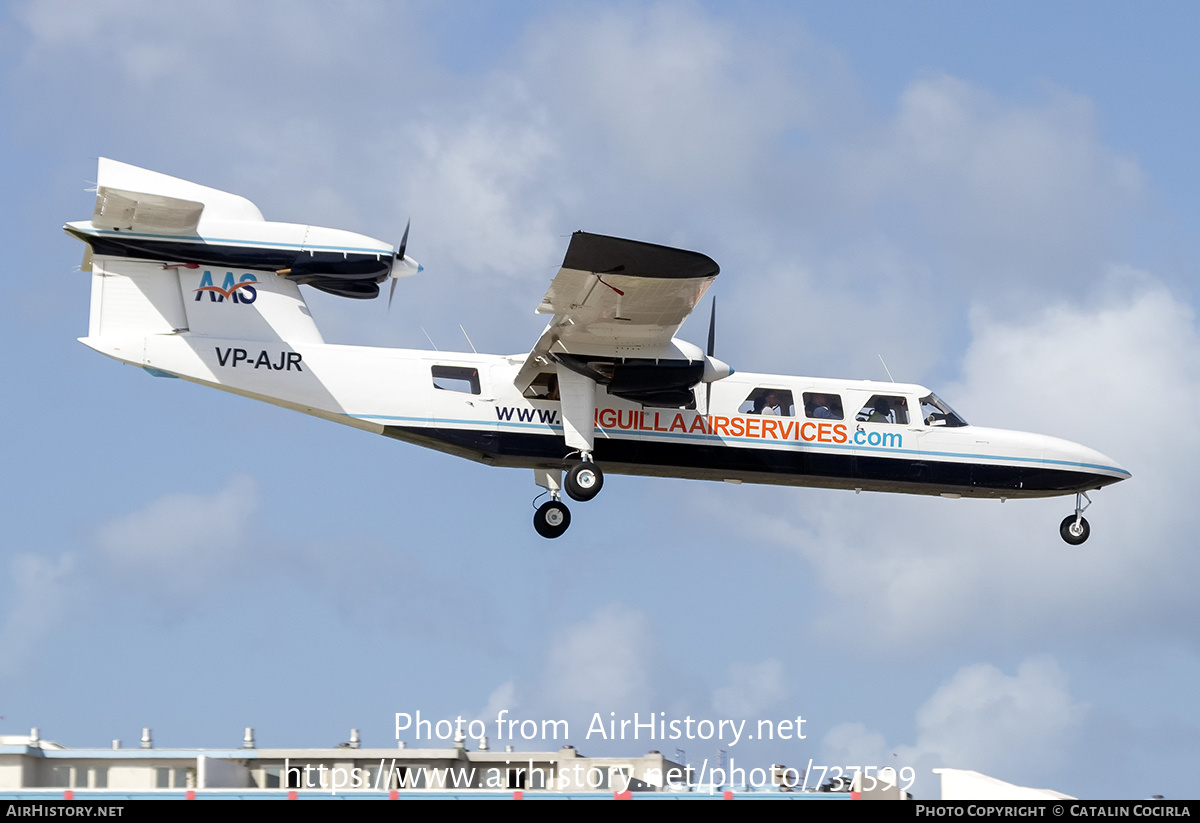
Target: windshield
pixel 936 412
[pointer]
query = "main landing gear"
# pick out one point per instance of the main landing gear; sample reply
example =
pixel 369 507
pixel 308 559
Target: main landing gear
pixel 1075 528
pixel 552 518
pixel 583 482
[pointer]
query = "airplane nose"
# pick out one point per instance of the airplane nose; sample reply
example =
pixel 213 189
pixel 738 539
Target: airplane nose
pixel 1088 460
pixel 1093 459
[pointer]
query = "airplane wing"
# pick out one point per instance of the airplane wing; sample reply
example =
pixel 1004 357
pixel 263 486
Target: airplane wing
pixel 617 298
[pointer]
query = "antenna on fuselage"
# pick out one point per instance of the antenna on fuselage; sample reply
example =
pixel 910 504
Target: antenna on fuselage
pixel 430 339
pixel 880 356
pixel 469 343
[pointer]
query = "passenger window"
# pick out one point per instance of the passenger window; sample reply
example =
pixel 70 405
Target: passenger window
pixel 823 406
pixel 769 401
pixel 456 378
pixel 884 408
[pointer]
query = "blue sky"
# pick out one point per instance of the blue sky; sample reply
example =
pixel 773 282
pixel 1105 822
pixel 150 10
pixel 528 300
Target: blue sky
pixel 999 199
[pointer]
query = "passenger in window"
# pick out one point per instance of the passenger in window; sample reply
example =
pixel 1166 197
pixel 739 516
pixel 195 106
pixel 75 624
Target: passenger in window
pixel 882 412
pixel 821 408
pixel 771 404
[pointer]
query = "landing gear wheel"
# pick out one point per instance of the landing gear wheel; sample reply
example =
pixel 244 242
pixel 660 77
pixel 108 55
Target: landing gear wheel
pixel 1074 533
pixel 584 481
pixel 552 519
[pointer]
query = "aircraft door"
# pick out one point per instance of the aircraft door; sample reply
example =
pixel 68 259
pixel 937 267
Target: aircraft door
pixel 461 403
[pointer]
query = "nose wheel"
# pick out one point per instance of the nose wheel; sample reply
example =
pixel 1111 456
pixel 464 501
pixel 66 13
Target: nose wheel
pixel 552 519
pixel 1075 529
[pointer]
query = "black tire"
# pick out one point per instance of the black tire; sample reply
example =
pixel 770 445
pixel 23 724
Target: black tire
pixel 1074 535
pixel 584 481
pixel 552 519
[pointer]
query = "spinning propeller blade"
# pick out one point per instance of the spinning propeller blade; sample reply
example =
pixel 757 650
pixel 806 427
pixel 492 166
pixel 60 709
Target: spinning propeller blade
pixel 399 255
pixel 712 329
pixel 712 350
pixel 403 241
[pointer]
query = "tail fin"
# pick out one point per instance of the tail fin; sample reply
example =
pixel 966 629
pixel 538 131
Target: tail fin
pixel 135 298
pixel 168 256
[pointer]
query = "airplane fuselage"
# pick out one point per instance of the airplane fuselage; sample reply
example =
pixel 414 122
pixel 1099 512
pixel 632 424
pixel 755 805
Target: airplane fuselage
pixel 466 404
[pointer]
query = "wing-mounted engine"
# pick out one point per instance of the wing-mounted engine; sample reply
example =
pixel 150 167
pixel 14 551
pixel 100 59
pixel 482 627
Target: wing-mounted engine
pixel 145 215
pixel 666 381
pixel 651 382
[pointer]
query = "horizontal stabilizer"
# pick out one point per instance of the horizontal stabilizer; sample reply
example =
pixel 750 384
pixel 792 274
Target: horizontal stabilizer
pixel 119 210
pixel 161 191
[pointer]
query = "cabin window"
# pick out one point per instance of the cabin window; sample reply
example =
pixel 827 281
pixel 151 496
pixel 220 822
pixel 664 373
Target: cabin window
pixel 884 408
pixel 766 400
pixel 823 406
pixel 456 378
pixel 936 412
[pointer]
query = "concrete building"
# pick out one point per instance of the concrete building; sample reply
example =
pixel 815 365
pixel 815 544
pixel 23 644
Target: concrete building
pixel 33 763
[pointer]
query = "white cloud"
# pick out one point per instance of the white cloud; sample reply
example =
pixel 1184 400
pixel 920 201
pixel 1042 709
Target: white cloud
pixel 986 720
pixel 671 98
pixel 480 186
pixel 1015 727
pixel 182 542
pixel 173 551
pixel 603 664
pixel 502 697
pixel 1023 191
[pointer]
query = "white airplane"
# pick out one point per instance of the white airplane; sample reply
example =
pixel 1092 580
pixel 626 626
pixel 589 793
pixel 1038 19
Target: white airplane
pixel 192 282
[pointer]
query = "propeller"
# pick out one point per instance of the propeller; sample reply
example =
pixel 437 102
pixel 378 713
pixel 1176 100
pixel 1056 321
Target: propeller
pixel 712 349
pixel 714 369
pixel 712 329
pixel 408 266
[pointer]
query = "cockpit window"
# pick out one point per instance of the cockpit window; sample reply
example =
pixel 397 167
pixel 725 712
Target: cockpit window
pixel 936 412
pixel 884 408
pixel 769 401
pixel 823 406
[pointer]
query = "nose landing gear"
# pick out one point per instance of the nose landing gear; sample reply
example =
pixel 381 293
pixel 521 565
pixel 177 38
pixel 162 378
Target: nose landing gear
pixel 1075 529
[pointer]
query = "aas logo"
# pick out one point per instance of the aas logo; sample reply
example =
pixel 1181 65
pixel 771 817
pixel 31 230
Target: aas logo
pixel 241 291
